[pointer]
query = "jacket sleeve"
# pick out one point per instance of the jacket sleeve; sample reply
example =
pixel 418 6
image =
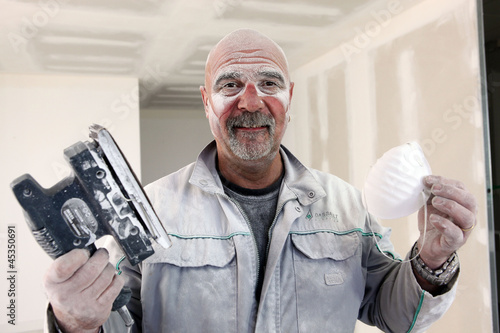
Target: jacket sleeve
pixel 394 301
pixel 50 321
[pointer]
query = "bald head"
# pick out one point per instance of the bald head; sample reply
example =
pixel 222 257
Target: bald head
pixel 245 46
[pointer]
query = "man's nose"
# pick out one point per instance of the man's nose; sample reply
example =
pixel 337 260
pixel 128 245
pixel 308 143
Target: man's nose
pixel 250 99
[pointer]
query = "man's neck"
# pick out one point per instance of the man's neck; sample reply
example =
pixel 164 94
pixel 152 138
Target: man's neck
pixel 252 174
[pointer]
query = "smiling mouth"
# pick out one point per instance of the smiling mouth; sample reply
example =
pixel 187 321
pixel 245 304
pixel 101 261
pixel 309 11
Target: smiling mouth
pixel 253 128
pixel 255 123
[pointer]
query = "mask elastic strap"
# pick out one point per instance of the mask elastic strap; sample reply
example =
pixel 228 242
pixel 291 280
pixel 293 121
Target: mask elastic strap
pixel 423 237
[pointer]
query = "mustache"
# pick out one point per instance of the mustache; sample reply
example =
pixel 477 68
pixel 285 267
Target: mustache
pixel 251 120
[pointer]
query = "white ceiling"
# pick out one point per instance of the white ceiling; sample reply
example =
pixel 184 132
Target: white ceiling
pixel 162 42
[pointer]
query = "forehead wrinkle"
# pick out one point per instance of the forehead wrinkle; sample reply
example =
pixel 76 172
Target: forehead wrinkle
pixel 238 74
pixel 240 57
pixel 241 44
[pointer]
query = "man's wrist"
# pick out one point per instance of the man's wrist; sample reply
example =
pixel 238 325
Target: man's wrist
pixel 59 329
pixel 437 277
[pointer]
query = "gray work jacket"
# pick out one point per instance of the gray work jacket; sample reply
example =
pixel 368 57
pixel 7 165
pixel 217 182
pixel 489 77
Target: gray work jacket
pixel 323 272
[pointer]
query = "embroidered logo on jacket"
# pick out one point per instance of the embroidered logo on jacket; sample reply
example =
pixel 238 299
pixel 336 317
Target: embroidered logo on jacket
pixel 322 216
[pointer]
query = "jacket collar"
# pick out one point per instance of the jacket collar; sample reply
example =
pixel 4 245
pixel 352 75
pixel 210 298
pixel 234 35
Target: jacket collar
pixel 298 182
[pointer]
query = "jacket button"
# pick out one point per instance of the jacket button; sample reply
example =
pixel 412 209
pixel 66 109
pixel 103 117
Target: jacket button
pixel 203 182
pixel 298 209
pixel 311 194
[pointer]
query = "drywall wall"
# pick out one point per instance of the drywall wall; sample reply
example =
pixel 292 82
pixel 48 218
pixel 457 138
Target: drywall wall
pixel 171 139
pixel 409 72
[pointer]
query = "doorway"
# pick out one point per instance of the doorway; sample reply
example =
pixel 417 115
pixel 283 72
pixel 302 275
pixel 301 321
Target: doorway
pixel 491 28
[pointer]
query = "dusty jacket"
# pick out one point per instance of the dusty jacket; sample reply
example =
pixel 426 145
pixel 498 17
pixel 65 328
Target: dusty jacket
pixel 323 271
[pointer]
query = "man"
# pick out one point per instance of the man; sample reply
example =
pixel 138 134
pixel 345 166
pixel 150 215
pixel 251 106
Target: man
pixel 247 255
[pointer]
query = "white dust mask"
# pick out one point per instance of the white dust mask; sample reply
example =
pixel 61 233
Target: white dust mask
pixel 394 186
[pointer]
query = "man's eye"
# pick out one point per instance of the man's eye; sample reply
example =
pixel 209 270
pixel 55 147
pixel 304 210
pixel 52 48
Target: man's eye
pixel 229 88
pixel 269 87
pixel 230 85
pixel 270 84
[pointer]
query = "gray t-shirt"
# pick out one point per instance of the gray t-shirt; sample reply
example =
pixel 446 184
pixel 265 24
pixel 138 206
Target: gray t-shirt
pixel 259 207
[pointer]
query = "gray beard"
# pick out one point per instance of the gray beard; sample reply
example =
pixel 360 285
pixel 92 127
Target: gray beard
pixel 253 150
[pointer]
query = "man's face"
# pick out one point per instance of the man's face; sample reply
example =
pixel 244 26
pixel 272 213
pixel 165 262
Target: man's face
pixel 247 96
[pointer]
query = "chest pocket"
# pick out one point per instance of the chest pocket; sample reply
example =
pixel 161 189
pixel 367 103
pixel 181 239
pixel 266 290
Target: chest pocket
pixel 329 281
pixel 182 285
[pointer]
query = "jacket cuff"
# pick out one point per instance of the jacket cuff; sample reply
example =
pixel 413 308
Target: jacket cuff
pixel 432 307
pixel 50 325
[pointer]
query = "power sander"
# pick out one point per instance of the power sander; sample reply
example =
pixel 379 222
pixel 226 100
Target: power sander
pixel 102 196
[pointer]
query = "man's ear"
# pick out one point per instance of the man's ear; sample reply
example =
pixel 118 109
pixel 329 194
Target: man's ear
pixel 204 97
pixel 290 91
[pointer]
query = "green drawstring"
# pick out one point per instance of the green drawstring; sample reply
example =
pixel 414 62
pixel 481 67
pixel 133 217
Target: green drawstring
pixel 118 265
